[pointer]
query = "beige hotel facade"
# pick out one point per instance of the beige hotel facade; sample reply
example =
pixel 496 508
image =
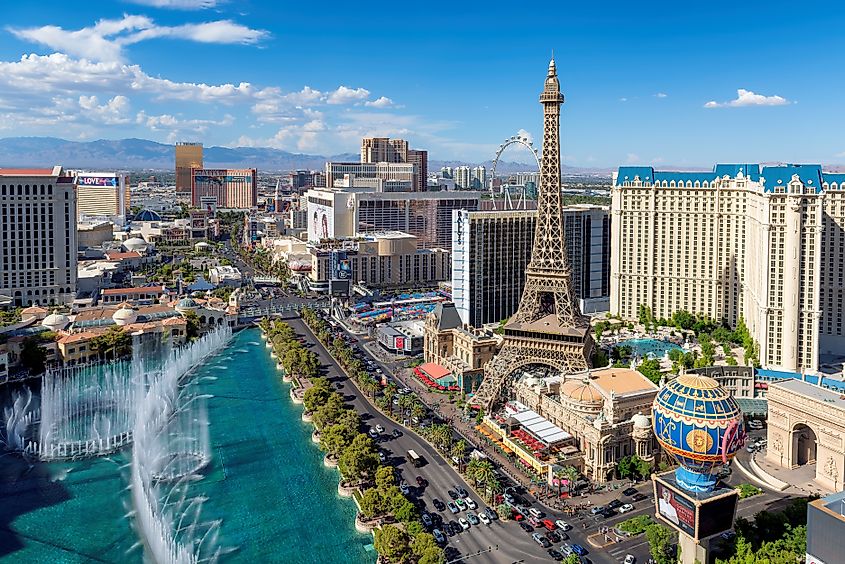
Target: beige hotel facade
pixel 764 243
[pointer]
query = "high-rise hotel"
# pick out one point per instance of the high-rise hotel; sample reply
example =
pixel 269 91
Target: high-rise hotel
pixel 762 243
pixel 37 236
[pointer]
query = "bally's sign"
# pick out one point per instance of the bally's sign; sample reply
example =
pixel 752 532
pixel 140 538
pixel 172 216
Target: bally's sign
pixel 96 181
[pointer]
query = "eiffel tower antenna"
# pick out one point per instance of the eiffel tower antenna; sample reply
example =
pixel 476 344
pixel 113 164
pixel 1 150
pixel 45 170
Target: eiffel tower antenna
pixel 548 327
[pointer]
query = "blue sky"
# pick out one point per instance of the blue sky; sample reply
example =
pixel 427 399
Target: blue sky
pixel 645 83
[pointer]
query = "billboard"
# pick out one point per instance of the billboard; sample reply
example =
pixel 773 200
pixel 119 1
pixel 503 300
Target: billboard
pixel 96 181
pixel 209 204
pixel 698 516
pixel 341 266
pixel 320 221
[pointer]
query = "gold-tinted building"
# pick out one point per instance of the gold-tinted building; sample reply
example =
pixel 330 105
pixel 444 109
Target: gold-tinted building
pixel 188 156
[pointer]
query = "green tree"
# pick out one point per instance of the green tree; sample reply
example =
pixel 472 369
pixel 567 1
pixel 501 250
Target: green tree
pixel 371 503
pixel 424 546
pixel 114 344
pixel 650 368
pixel 571 559
pixel 406 512
pixel 330 412
pixel 33 356
pixel 636 525
pixel 193 325
pixel 385 477
pixel 660 540
pixel 683 319
pixel 392 543
pixel 459 449
pixel 359 459
pixel 317 394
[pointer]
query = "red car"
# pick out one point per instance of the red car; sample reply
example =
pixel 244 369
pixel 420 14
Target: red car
pixel 549 524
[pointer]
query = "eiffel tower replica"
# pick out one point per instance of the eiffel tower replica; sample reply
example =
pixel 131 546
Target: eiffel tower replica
pixel 548 328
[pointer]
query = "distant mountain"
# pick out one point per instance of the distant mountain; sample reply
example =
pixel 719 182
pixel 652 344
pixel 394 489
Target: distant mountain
pixel 131 154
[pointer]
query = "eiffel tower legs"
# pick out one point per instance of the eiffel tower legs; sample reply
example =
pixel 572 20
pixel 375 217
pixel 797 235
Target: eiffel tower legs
pixel 543 296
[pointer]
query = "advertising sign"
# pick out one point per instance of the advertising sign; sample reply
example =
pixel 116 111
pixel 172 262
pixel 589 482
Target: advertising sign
pixel 209 204
pixel 341 266
pixel 675 509
pixel 698 516
pixel 400 343
pixel 96 181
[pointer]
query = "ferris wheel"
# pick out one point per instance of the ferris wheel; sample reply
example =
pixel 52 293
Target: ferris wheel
pixel 505 192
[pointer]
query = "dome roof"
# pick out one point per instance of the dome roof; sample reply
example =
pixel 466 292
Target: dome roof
pixel 147 215
pixel 125 316
pixel 55 321
pixel 640 421
pixel 580 391
pixel 187 302
pixel 135 244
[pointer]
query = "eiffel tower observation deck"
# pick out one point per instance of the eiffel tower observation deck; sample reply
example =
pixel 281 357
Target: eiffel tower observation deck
pixel 548 328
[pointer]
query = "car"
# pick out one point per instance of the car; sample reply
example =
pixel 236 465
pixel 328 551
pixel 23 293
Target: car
pixel 728 535
pixel 438 505
pixel 626 508
pixel 438 536
pixel 541 540
pixel 509 498
pixel 447 529
pixel 579 550
pixel 526 527
pixel 751 448
pixel 406 390
pixel 534 521
pixel 608 513
pixel 471 504
pixel 452 507
pixel 396 433
pixel 553 536
pixel 464 523
pixel 563 525
pixel 379 429
pixel 596 509
pixel 372 433
pixel 491 513
pixel 482 516
pixel 473 518
pixel 452 494
pixel 404 488
pixel 426 519
pixel 535 512
pixel 461 490
pixel 566 549
pixel 421 482
pixel 639 497
pixel 629 559
pixel 462 505
pixel 381 456
pixel 629 492
pixel 549 524
pixel 555 555
pixel 614 504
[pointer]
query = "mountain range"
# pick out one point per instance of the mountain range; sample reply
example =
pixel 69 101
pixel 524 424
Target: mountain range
pixel 134 154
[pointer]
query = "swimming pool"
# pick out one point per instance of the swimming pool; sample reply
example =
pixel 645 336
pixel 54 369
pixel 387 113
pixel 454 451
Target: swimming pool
pixel 649 347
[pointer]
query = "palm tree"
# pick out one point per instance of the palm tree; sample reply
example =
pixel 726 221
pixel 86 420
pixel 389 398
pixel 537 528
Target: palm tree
pixel 417 409
pixel 459 449
pixel 484 472
pixel 471 469
pixel 571 473
pixel 389 394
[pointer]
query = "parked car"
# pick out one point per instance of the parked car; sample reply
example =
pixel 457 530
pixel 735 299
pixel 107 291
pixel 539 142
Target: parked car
pixel 464 523
pixel 421 482
pixel 626 508
pixel 566 549
pixel 471 504
pixel 608 513
pixel 555 555
pixel 452 507
pixel 482 516
pixel 372 433
pixel 379 429
pixel 462 505
pixel 639 497
pixel 438 536
pixel 426 519
pixel 509 498
pixel 462 491
pixel 491 513
pixel 614 504
pixel 596 509
pixel 438 505
pixel 629 559
pixel 553 536
pixel 405 489
pixel 454 527
pixel 563 525
pixel 534 521
pixel 535 512
pixel 541 540
pixel 579 550
pixel 526 527
pixel 396 432
pixel 452 494
pixel 473 518
pixel 381 456
pixel 728 535
pixel 629 492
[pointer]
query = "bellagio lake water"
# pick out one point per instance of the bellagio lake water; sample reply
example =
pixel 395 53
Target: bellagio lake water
pixel 266 482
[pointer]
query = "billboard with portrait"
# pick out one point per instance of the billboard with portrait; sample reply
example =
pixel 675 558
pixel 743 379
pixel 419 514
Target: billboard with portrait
pixel 699 516
pixel 674 508
pixel 341 266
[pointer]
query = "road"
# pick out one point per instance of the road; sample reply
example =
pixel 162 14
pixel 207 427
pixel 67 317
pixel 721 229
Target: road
pixel 514 544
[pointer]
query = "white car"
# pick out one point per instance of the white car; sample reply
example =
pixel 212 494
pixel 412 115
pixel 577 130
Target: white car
pixel 535 512
pixel 403 487
pixel 373 433
pixel 563 525
pixel 626 508
pixel 629 559
pixel 379 429
pixel 464 523
pixel 471 504
pixel 484 518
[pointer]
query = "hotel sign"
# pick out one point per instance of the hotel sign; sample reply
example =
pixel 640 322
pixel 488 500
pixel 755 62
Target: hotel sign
pixel 96 181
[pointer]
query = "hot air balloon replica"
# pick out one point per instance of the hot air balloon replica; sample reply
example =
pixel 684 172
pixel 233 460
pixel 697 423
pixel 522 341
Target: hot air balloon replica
pixel 698 423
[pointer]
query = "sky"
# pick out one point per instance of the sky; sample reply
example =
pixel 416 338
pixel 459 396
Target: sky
pixel 668 84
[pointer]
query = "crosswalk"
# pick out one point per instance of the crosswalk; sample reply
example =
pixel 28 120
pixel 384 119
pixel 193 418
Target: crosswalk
pixel 619 550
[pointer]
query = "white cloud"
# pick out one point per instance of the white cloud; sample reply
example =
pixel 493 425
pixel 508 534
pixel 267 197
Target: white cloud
pixel 177 4
pixel 632 158
pixel 382 102
pixel 114 111
pixel 749 98
pixel 345 95
pixel 623 99
pixel 661 95
pixel 104 41
pixel 526 135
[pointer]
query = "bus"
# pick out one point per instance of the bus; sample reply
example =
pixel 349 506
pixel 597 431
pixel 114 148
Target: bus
pixel 415 459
